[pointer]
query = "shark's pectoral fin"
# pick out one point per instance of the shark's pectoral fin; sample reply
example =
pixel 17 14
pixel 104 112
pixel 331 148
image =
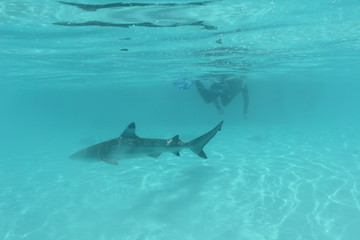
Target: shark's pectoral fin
pixel 177 153
pixel 154 155
pixel 112 161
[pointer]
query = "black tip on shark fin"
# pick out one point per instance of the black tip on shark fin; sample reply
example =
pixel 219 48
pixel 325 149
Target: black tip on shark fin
pixel 129 132
pixel 202 154
pixel 177 153
pixel 132 125
pixel 176 138
pixel 218 127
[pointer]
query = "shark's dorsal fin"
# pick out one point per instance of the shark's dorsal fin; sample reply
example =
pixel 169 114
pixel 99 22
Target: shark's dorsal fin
pixel 129 132
pixel 176 138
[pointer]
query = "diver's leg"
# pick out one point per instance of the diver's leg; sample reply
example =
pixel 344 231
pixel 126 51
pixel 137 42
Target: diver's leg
pixel 245 94
pixel 205 93
pixel 218 106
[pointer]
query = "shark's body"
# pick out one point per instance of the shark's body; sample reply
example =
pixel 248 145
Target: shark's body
pixel 129 145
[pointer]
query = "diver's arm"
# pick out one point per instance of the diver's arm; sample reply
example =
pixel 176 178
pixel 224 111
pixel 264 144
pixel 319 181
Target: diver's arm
pixel 245 94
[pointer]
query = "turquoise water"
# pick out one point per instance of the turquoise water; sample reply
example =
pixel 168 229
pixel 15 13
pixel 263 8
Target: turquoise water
pixel 74 75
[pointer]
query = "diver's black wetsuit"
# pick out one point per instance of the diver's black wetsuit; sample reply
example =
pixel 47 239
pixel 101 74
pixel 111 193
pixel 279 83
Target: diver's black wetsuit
pixel 226 91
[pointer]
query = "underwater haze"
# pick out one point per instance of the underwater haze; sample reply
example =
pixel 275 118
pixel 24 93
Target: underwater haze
pixel 76 73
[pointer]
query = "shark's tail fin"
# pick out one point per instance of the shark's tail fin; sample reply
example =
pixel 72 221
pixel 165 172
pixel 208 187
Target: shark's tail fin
pixel 197 144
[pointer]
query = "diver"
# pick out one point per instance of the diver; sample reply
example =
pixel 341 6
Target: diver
pixel 222 92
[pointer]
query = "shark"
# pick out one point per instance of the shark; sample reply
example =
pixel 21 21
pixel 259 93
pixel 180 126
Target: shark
pixel 128 145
